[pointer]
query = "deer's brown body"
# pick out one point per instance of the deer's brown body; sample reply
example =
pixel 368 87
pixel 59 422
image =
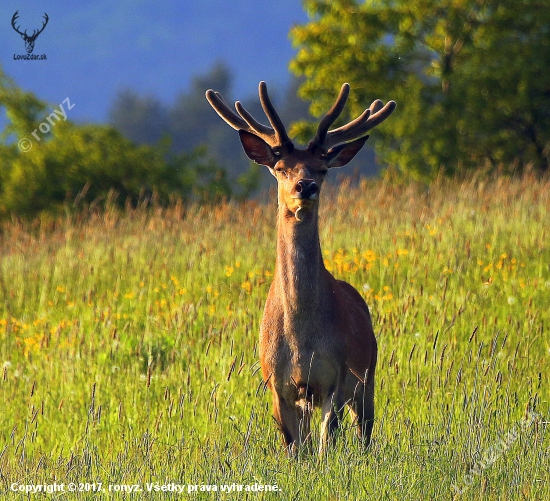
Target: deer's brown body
pixel 317 346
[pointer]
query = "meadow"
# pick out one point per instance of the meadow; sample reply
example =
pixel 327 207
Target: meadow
pixel 128 348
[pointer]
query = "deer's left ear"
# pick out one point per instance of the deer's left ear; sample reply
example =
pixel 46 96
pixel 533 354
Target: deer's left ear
pixel 343 153
pixel 257 149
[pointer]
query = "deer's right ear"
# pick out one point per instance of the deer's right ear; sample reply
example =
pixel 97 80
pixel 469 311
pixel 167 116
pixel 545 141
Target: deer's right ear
pixel 257 149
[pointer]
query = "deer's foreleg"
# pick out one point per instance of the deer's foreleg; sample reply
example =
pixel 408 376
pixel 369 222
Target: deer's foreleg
pixel 331 410
pixel 287 416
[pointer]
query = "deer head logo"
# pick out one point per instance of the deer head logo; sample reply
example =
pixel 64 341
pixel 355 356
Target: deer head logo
pixel 29 39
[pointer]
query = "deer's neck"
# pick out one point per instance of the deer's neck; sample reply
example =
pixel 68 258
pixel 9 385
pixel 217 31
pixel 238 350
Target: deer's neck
pixel 300 272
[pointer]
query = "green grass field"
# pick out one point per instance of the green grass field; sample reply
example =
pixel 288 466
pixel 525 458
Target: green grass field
pixel 128 348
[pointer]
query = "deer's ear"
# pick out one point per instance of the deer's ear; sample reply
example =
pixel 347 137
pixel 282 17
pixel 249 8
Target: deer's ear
pixel 342 154
pixel 257 149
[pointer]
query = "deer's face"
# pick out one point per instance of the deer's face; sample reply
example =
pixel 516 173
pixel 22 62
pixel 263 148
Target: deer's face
pixel 299 173
pixel 29 44
pixel 299 177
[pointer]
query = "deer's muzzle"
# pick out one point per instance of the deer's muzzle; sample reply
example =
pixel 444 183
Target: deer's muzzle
pixel 306 189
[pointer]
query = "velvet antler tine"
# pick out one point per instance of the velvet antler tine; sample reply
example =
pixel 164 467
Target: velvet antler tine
pixel 331 116
pixel 273 116
pixel 252 122
pixel 341 133
pixel 357 128
pixel 372 116
pixel 221 108
pixel 275 137
pixel 376 106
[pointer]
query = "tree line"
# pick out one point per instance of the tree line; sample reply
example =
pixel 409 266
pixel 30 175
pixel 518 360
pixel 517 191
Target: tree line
pixel 469 77
pixel 190 121
pixel 51 164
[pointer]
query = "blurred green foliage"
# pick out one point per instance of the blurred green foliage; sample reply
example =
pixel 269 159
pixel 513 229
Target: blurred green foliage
pixel 72 166
pixel 469 77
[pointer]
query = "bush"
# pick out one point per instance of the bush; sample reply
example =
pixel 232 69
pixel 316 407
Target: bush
pixel 84 164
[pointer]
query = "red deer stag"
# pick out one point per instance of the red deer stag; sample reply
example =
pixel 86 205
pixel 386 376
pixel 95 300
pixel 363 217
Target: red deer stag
pixel 317 346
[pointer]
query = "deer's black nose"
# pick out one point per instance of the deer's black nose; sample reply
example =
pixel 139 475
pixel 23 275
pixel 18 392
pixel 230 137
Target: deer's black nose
pixel 306 189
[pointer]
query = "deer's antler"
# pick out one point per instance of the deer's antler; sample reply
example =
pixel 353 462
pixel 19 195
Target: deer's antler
pixel 36 33
pixel 16 28
pixel 372 116
pixel 275 135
